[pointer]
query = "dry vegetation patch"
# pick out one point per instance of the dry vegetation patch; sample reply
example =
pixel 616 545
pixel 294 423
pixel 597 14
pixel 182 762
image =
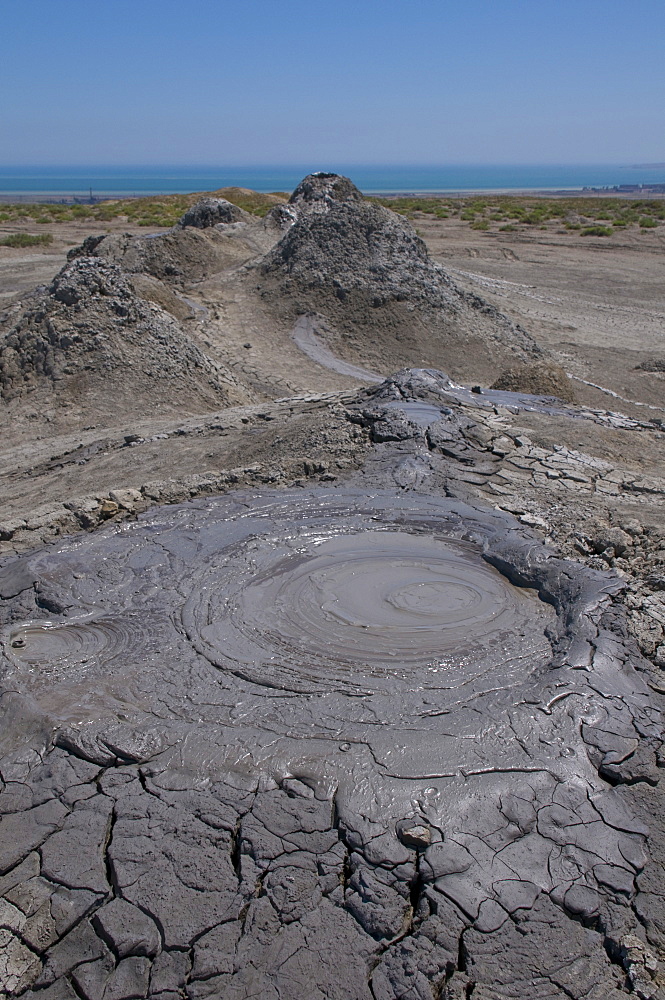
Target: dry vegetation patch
pixel 512 213
pixel 160 210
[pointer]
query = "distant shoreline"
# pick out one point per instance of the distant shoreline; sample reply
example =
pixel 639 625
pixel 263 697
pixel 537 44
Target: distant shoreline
pixel 96 182
pixel 69 197
pixel 521 193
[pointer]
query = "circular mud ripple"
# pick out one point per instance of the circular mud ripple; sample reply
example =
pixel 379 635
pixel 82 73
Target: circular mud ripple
pixel 374 607
pixel 81 640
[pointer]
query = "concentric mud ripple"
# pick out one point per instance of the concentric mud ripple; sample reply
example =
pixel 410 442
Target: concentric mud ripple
pixel 362 607
pixel 79 640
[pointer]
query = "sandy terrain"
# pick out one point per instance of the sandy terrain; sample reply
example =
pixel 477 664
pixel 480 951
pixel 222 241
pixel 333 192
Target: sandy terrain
pixel 597 305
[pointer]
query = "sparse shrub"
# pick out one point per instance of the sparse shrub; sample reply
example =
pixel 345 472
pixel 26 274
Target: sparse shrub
pixel 81 212
pixel 596 231
pixel 26 240
pixel 508 229
pixel 156 220
pixel 481 224
pixel 647 223
pixel 165 208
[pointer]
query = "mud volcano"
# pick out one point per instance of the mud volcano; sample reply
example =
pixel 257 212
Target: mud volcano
pixel 366 278
pixel 263 730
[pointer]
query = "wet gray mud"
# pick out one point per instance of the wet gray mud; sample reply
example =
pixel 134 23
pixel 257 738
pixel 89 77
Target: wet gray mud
pixel 305 336
pixel 339 742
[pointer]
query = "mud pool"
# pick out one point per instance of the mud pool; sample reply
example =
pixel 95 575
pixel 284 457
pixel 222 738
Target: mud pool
pixel 389 709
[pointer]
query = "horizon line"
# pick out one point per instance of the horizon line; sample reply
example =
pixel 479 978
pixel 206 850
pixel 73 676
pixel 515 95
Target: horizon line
pixel 293 165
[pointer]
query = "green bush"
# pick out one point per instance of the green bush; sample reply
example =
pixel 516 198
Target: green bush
pixel 596 231
pixel 26 240
pixel 481 224
pixel 647 223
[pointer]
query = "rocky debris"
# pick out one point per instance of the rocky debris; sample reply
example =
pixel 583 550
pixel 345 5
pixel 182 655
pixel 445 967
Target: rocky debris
pixel 641 965
pixel 213 212
pixel 85 513
pixel 293 441
pixel 90 341
pixel 653 365
pixel 365 270
pixel 541 378
pixel 563 471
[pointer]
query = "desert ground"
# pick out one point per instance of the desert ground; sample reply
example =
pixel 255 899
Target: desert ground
pixel 596 305
pixel 215 803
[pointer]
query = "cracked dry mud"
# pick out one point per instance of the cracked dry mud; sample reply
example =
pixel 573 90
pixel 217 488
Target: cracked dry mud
pixel 377 716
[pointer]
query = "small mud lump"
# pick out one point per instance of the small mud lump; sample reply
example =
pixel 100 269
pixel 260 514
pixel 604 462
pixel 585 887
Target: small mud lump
pixel 540 378
pixel 316 191
pixel 212 212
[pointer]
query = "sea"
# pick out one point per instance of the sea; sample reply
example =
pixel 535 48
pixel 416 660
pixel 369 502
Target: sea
pixel 23 183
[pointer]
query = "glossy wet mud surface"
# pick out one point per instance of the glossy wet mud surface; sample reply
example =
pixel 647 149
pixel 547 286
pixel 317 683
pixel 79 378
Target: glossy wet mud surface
pixel 310 717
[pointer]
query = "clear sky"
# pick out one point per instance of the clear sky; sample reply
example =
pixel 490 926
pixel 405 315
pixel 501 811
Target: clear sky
pixel 202 82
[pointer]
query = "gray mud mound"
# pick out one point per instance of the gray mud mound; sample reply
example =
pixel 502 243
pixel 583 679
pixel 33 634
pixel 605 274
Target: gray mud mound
pixel 250 736
pixel 213 212
pixel 180 255
pixel 90 343
pixel 365 271
pixel 318 191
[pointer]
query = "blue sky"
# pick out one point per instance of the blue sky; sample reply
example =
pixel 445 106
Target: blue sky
pixel 370 81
